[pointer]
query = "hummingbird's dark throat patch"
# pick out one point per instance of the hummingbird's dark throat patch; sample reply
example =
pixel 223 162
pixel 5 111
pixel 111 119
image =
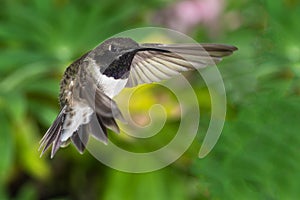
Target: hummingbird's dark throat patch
pixel 119 68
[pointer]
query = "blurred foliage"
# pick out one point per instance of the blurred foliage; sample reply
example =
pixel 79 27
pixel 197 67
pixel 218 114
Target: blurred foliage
pixel 257 155
pixel 260 159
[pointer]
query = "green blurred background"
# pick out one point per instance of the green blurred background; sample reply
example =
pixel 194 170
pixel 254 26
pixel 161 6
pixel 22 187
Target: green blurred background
pixel 257 155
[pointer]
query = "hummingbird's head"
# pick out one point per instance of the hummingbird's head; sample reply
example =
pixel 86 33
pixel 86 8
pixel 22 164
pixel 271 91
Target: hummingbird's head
pixel 119 45
pixel 113 49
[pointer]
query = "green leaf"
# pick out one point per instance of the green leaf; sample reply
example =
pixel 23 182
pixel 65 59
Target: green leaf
pixel 45 86
pixel 29 157
pixel 27 192
pixel 6 148
pixel 162 184
pixel 43 112
pixel 15 104
pixel 257 156
pixel 3 194
pixel 22 75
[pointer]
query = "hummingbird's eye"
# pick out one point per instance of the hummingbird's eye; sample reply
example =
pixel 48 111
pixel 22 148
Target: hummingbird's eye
pixel 112 48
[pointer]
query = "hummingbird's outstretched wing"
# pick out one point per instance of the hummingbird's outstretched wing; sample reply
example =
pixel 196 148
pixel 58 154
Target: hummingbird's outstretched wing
pixel 156 62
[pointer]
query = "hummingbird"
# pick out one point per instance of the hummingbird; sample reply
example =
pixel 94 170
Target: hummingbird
pixel 91 82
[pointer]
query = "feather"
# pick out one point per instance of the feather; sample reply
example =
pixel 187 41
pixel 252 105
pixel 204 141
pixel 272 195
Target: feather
pixel 80 138
pixel 97 129
pixel 53 134
pixel 106 110
pixel 156 62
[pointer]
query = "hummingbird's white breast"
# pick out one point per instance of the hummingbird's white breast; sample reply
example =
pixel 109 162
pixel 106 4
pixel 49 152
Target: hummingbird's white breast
pixel 109 85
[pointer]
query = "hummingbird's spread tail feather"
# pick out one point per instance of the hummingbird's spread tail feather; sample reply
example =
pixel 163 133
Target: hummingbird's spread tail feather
pixel 53 134
pixel 97 127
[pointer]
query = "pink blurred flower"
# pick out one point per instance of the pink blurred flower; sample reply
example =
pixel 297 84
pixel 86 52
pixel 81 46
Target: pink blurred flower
pixel 185 15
